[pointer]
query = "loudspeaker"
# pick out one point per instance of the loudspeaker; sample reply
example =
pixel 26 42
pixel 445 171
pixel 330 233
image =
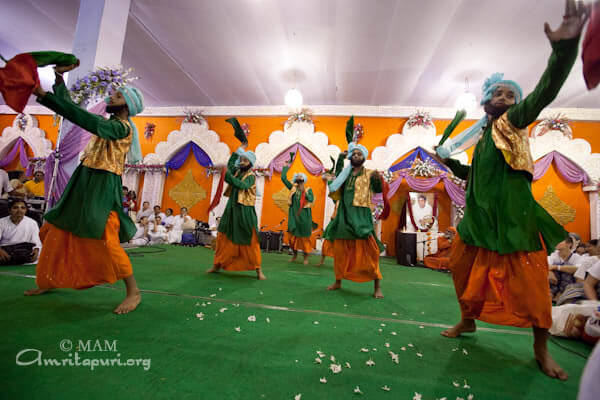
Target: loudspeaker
pixel 406 248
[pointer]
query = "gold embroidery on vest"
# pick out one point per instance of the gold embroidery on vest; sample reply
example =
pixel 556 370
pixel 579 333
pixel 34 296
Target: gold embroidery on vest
pixel 362 189
pixel 514 144
pixel 291 197
pixel 247 197
pixel 107 155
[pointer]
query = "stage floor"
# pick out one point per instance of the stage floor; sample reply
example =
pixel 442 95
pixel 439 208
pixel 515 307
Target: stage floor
pixel 193 358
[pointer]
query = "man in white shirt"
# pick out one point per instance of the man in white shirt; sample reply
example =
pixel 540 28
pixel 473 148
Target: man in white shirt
pixel 590 285
pixel 19 236
pixel 157 233
pixel 158 213
pixel 146 211
pixel 422 213
pixel 141 235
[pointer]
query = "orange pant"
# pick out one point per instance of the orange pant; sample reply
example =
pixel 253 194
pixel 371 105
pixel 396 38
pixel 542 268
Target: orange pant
pixel 356 259
pixel 69 261
pixel 301 243
pixel 327 249
pixel 236 257
pixel 510 289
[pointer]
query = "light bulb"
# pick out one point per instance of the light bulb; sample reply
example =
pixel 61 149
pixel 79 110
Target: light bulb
pixel 466 101
pixel 293 98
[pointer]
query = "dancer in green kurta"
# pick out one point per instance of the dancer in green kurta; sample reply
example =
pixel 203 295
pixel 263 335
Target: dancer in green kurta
pixel 300 202
pixel 499 262
pixel 82 236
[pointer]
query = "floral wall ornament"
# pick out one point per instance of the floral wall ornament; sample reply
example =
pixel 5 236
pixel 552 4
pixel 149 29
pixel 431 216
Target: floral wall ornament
pixel 99 83
pixel 358 133
pixel 304 115
pixel 193 116
pixel 424 169
pixel 420 118
pixel 21 121
pixel 555 123
pixel 149 130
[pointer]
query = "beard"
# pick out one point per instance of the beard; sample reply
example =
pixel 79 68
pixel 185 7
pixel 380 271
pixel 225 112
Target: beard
pixel 356 163
pixel 114 109
pixel 245 168
pixel 495 111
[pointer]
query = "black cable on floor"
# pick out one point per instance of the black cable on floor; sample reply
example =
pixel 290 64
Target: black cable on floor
pixel 556 342
pixel 141 251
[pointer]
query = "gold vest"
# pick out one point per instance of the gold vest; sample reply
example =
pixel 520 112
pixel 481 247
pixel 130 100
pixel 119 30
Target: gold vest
pixel 291 196
pixel 246 197
pixel 514 144
pixel 362 190
pixel 107 155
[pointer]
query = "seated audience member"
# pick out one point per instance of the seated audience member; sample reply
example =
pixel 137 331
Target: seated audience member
pixel 18 185
pixel 141 235
pixel 157 233
pixel 125 197
pixel 146 211
pixel 131 204
pixel 35 187
pixel 5 187
pixel 169 218
pixel 441 259
pixel 187 225
pixel 19 236
pixel 577 321
pixel 563 264
pixel 174 230
pixel 158 213
pixel 591 287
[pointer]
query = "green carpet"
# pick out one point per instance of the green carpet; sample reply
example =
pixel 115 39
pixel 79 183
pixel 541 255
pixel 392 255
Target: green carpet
pixel 192 358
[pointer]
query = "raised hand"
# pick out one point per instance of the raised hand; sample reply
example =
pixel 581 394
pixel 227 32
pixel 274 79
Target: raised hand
pixel 61 69
pixel 576 14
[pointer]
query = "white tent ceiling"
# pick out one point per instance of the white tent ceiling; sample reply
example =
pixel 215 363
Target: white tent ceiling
pixel 337 52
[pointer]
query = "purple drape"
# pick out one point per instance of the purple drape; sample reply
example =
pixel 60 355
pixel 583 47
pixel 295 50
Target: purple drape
pixel 73 141
pixel 567 168
pixel 18 147
pixel 311 163
pixel 178 159
pixel 408 161
pixel 455 192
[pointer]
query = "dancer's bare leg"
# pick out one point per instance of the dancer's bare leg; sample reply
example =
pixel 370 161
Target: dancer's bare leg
pixel 336 285
pixel 295 256
pixel 465 325
pixel 542 356
pixel 259 275
pixel 35 292
pixel 215 268
pixel 377 294
pixel 132 299
pixel 305 259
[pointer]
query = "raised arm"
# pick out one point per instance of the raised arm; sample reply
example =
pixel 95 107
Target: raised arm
pixel 284 178
pixel 238 183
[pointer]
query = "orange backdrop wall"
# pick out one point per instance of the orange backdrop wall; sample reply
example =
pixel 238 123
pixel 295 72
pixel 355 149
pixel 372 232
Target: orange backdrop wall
pixel 376 132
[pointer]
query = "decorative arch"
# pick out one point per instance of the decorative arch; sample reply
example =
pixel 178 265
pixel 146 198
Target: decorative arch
pixel 198 133
pixel 302 133
pixel 25 126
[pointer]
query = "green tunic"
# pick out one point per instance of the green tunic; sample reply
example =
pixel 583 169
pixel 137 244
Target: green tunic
pixel 298 225
pixel 238 221
pixel 501 214
pixel 91 194
pixel 353 222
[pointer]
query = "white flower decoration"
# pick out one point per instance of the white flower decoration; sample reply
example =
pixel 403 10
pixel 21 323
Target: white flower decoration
pixel 466 386
pixel 320 353
pixel 298 397
pixel 410 345
pixel 382 325
pixel 200 315
pixel 403 348
pixel 252 318
pixel 318 360
pixel 208 302
pixel 222 310
pixel 323 380
pixel 220 289
pixel 387 345
pixel 213 295
pixel 237 329
pixel 357 390
pixel 395 314
pixel 316 322
pixel 393 333
pixel 465 352
pixel 380 330
pixel 332 358
pixel 386 388
pixel 421 326
pixel 417 396
pixel 364 350
pixel 455 384
pixel 335 368
pixel 348 365
pixel 291 301
pixel 470 397
pixel 419 355
pixel 268 320
pixel 370 362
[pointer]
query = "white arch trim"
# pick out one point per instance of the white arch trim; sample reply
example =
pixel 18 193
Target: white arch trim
pixel 208 140
pixel 296 133
pixel 31 134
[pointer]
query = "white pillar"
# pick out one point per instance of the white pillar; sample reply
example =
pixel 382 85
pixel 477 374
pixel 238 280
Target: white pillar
pixel 99 35
pixel 594 211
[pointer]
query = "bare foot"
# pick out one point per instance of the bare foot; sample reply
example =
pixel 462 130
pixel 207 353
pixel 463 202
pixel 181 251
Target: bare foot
pixel 378 294
pixel 260 276
pixel 129 304
pixel 293 258
pixel 548 365
pixel 213 270
pixel 319 264
pixel 464 326
pixel 35 292
pixel 306 261
pixel 337 285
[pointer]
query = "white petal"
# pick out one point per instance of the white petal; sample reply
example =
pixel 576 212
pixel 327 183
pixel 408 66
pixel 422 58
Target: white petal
pixel 332 358
pixel 297 397
pixel 220 289
pixel 268 320
pixel 382 325
pixel 394 333
pixel 421 326
pixel 465 352
pixel 318 360
pixel 386 388
pixel 364 350
pixel 370 362
pixel 403 348
pixel 208 302
pixel 470 397
pixel 410 345
pixel 380 330
pixel 197 304
pixel 374 349
pixel 417 396
pixel 419 355
pixel 395 314
pixel 316 322
pixel 348 365
pixel 320 353
pixel 357 390
pixel 223 309
pixel 456 384
pixel 291 301
pixel 345 305
pixel 323 380
pixel 237 328
pixel 387 345
pixel 466 386
pixel 213 295
pixel 252 318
